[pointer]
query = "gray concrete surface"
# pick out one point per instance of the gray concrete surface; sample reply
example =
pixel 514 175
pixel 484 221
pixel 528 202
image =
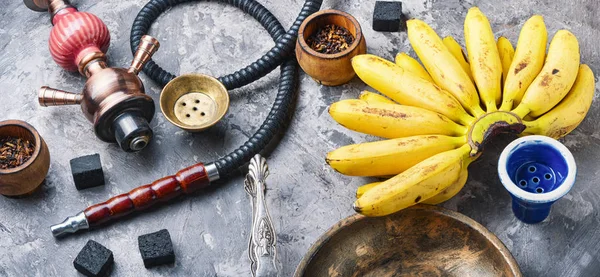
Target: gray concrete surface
pixel 210 230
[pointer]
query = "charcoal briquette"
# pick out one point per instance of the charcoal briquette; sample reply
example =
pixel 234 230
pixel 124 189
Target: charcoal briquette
pixel 87 171
pixel 387 16
pixel 156 248
pixel 94 260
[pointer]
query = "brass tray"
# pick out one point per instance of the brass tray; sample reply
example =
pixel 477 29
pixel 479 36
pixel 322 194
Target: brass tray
pixel 420 241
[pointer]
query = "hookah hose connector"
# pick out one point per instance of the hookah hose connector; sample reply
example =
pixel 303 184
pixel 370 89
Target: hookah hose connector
pixel 186 181
pixel 113 99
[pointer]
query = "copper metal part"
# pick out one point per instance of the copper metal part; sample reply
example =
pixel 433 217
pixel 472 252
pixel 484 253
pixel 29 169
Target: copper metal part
pixel 194 102
pixel 51 6
pixel 56 97
pixel 37 5
pixel 422 240
pixel 113 99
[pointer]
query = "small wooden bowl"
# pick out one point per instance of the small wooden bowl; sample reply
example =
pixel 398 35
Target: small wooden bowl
pixel 26 178
pixel 329 69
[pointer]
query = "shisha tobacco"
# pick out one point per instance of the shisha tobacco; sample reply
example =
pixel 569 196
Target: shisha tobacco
pixel 331 39
pixel 14 152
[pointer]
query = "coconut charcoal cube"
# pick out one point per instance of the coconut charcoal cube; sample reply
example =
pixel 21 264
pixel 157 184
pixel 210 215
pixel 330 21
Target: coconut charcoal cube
pixel 94 260
pixel 387 16
pixel 87 171
pixel 156 248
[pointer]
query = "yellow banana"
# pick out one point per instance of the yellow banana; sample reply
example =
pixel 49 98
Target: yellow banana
pixel 459 54
pixel 450 191
pixel 556 78
pixel 413 66
pixel 567 115
pixel 374 97
pixel 441 197
pixel 442 66
pixel 418 183
pixel 389 157
pixel 507 52
pixel 527 62
pixel 407 88
pixel 392 120
pixel 456 187
pixel 362 189
pixel 486 66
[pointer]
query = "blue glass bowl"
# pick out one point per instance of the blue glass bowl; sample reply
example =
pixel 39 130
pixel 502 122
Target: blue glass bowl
pixel 536 171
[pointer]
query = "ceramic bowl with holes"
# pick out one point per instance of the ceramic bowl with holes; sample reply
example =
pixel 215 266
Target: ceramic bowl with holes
pixel 194 102
pixel 536 171
pixel 329 69
pixel 26 178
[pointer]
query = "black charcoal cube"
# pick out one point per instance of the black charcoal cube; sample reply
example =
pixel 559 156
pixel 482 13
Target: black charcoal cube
pixel 387 16
pixel 156 248
pixel 87 171
pixel 94 260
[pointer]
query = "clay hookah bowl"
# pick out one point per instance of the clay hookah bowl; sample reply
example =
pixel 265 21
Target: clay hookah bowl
pixel 112 99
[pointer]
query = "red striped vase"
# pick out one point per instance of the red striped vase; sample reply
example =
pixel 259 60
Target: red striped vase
pixel 75 35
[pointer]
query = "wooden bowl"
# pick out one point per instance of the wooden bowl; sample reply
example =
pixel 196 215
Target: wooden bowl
pixel 329 69
pixel 420 241
pixel 26 178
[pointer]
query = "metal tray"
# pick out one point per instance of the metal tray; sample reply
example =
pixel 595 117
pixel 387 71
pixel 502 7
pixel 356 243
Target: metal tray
pixel 420 241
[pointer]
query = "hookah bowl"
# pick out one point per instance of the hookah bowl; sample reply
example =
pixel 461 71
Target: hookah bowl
pixel 536 171
pixel 113 99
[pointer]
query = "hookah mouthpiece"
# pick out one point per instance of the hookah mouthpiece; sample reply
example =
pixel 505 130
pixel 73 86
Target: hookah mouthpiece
pixel 70 225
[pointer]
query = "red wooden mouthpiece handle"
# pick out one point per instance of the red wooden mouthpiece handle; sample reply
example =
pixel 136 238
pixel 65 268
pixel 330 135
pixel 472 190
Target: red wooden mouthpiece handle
pixel 185 181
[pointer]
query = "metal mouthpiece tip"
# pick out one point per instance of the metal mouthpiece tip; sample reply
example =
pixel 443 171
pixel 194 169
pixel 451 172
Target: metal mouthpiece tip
pixel 70 225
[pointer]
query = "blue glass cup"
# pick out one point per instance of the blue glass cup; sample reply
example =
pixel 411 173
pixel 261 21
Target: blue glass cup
pixel 536 171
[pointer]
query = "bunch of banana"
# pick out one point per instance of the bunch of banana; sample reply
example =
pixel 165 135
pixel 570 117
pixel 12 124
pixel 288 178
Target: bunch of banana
pixel 437 116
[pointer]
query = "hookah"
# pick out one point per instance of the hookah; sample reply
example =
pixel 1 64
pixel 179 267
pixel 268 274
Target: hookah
pixel 112 99
pixel 200 175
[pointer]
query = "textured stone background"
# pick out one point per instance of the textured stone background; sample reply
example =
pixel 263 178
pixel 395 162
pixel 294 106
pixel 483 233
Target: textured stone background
pixel 210 230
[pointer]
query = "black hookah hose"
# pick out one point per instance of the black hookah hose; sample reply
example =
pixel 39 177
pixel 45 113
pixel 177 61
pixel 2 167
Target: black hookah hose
pixel 280 54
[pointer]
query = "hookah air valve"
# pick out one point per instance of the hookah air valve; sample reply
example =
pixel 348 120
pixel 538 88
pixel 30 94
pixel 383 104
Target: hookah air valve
pixel 113 99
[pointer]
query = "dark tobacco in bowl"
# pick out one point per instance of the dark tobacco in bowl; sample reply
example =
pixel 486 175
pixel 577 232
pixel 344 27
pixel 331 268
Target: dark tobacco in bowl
pixel 330 39
pixel 14 152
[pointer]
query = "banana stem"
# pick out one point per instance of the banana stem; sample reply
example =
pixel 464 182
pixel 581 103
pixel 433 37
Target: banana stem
pixel 491 106
pixel 490 125
pixel 506 106
pixel 521 111
pixel 466 120
pixel 478 111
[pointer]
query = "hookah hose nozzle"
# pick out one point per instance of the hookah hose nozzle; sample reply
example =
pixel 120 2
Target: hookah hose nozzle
pixel 113 99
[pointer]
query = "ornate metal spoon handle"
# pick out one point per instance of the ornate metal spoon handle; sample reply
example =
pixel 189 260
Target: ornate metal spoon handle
pixel 261 248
